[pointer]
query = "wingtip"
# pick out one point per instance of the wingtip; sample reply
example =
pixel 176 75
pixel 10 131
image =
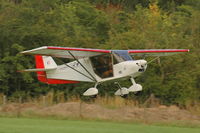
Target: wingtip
pixel 23 52
pixel 20 71
pixel 29 51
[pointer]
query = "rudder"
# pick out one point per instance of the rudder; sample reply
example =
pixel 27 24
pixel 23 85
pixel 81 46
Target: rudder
pixel 41 75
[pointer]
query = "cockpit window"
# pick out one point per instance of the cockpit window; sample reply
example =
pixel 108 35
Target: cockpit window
pixel 102 65
pixel 121 55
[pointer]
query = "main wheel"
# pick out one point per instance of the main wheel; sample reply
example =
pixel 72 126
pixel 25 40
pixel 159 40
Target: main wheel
pixel 124 96
pixel 94 96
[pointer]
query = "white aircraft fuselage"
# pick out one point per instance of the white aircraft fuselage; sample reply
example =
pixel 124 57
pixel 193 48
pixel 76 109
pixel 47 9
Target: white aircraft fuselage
pixel 75 71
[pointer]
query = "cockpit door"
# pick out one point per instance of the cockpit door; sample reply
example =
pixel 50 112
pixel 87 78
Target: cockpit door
pixel 103 65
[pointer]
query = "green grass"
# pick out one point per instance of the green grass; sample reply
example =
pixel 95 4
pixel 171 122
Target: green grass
pixel 25 125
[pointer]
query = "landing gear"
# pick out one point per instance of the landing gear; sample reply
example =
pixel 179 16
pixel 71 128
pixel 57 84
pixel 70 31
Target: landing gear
pixel 135 87
pixel 91 91
pixel 122 91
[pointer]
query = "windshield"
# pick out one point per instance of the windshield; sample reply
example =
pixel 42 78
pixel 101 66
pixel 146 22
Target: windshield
pixel 121 55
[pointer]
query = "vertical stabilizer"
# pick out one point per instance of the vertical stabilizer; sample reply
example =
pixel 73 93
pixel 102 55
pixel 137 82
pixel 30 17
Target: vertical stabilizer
pixel 40 65
pixel 49 62
pixel 44 62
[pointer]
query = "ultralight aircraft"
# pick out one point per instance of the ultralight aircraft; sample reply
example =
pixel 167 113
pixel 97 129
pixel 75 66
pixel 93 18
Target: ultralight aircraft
pixel 93 65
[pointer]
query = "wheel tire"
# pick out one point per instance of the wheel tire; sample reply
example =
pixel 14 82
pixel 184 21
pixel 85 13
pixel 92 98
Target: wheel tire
pixel 125 96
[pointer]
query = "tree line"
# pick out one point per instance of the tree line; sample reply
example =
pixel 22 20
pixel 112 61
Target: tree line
pixel 104 24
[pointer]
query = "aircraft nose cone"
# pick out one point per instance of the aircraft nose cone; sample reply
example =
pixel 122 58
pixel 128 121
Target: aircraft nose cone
pixel 143 63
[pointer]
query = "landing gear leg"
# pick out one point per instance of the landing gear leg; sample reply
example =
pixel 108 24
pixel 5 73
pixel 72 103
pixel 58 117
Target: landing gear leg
pixel 122 91
pixel 91 91
pixel 135 87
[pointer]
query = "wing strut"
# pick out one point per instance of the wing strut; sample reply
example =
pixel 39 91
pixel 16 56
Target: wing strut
pixel 79 72
pixel 83 66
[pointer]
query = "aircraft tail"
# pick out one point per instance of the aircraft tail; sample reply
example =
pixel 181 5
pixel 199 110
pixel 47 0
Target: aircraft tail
pixel 43 65
pixel 46 63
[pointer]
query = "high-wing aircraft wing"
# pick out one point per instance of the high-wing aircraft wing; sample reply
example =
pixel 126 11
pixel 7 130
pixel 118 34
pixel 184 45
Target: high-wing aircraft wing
pixel 78 53
pixel 66 52
pixel 156 52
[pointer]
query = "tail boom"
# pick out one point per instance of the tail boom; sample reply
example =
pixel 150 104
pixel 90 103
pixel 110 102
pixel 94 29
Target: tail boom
pixel 42 67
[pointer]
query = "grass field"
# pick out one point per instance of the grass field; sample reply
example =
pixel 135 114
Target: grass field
pixel 25 125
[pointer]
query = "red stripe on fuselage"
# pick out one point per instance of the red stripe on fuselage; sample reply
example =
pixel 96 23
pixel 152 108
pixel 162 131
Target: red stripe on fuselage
pixel 58 81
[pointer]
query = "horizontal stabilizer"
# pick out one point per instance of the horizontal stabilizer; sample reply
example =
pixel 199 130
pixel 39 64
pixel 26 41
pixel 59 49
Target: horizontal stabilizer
pixel 37 70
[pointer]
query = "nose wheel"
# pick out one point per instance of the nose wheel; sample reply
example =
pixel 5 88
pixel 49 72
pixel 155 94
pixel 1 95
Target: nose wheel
pixel 123 91
pixel 135 87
